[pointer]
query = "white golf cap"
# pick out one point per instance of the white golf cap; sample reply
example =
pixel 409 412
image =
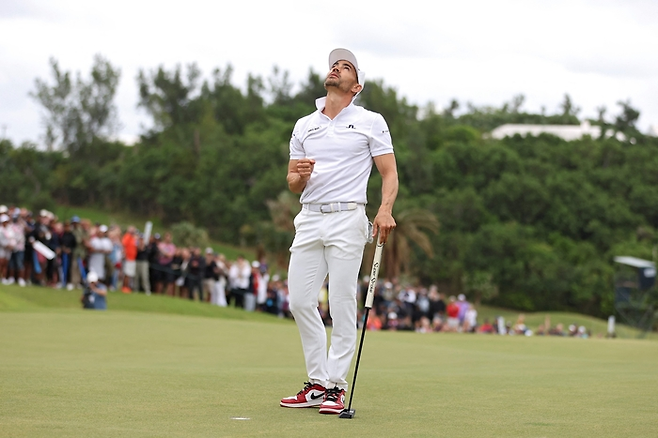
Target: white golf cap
pixel 4 218
pixel 345 55
pixel 92 277
pixel 103 228
pixel 3 209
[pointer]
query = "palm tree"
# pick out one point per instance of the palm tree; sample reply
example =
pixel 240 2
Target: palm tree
pixel 276 236
pixel 412 226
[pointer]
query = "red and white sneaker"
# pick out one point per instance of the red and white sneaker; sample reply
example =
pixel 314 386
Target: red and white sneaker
pixel 311 395
pixel 334 401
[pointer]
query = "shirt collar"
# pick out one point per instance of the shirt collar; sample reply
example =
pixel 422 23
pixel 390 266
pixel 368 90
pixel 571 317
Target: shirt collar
pixel 320 103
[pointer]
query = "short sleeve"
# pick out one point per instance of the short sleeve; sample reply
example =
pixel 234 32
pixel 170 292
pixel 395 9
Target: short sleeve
pixel 380 137
pixel 296 147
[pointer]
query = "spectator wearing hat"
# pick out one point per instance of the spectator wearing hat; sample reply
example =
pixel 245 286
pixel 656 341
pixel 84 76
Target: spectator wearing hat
pixel 239 275
pixel 99 247
pixel 129 243
pixel 463 306
pixel 97 292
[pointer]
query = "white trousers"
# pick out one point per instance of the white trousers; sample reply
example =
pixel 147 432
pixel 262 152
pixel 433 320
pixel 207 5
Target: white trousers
pixel 327 243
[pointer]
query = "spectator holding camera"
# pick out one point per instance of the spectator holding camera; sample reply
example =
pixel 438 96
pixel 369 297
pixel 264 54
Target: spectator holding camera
pixel 95 296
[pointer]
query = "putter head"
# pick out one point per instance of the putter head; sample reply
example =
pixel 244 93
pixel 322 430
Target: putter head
pixel 347 413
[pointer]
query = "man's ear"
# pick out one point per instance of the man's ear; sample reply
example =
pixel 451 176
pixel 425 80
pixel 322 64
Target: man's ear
pixel 357 88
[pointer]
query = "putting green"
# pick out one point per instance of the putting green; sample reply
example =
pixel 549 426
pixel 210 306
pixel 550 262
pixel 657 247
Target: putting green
pixel 74 373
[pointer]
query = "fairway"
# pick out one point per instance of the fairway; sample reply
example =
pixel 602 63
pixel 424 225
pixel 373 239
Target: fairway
pixel 74 373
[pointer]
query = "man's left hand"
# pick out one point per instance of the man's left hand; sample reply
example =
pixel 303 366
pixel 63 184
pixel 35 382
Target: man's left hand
pixel 383 224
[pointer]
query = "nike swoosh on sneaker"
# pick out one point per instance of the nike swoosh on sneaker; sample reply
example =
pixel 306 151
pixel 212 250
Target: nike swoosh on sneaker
pixel 315 397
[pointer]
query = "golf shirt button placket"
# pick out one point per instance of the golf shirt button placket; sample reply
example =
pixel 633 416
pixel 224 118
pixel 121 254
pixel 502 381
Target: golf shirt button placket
pixel 330 129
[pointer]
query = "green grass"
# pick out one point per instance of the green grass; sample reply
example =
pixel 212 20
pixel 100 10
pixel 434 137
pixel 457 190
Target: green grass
pixel 130 372
pixel 13 298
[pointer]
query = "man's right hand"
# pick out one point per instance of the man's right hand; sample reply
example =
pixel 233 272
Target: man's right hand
pixel 299 172
pixel 305 168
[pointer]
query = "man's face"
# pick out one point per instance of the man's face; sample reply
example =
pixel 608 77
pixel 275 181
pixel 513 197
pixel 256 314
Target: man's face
pixel 343 76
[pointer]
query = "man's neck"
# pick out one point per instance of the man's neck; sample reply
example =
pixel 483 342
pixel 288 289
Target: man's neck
pixel 335 103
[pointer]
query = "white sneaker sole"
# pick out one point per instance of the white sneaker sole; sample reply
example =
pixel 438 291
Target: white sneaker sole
pixel 331 410
pixel 308 404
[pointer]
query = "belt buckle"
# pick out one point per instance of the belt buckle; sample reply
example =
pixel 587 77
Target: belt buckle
pixel 327 208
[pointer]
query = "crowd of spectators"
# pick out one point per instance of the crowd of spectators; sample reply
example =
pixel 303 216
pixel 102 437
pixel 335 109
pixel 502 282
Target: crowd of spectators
pixel 45 251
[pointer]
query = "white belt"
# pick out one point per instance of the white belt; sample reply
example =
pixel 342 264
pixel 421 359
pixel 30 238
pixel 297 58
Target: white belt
pixel 334 207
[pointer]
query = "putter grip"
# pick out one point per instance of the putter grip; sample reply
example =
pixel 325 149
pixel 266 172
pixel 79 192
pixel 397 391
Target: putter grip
pixel 374 273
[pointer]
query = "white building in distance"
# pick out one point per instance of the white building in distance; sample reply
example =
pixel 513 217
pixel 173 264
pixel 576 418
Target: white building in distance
pixel 566 132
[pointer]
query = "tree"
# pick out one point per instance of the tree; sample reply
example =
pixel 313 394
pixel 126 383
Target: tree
pixel 480 285
pixel 276 235
pixel 168 96
pixel 185 234
pixel 568 108
pixel 412 226
pixel 77 112
pixel 626 120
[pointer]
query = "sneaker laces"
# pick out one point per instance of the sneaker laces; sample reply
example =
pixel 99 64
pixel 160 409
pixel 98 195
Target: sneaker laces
pixel 332 394
pixel 307 385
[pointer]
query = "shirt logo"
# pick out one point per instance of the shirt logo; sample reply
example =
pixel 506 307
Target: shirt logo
pixel 351 127
pixel 317 128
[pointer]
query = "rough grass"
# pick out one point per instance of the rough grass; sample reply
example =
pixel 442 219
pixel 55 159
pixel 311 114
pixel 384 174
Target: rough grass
pixel 65 372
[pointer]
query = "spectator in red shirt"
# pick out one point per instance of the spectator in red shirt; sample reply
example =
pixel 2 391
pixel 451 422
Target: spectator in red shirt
pixel 486 327
pixel 130 253
pixel 453 315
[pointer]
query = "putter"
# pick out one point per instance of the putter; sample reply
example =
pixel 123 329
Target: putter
pixel 374 272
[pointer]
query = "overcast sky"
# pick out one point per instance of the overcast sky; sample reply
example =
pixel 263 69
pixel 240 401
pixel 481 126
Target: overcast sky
pixel 483 52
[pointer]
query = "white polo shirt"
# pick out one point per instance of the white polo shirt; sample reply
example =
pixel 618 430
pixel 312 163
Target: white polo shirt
pixel 343 149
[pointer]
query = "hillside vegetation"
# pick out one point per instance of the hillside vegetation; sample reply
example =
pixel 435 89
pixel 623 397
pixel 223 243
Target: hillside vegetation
pixel 525 223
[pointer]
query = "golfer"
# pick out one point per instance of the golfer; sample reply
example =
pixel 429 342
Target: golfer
pixel 331 155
